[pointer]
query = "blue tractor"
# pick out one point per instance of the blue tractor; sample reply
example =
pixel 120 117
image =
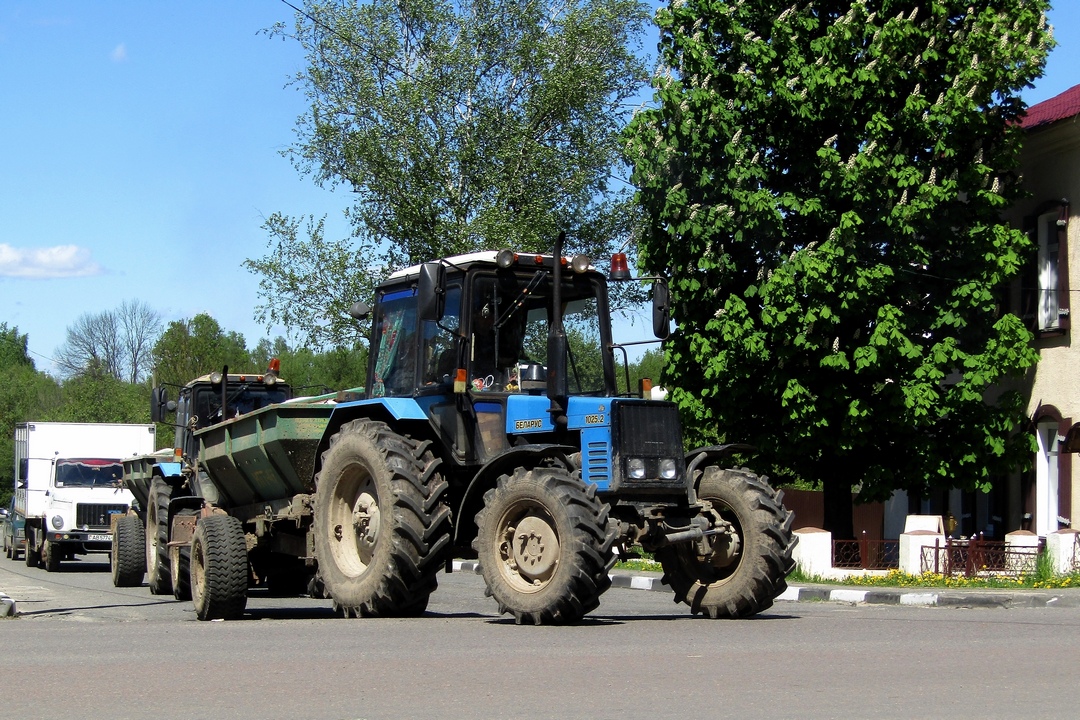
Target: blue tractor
pixel 493 427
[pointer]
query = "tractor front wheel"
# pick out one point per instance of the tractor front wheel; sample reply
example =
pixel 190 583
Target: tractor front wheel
pixel 544 546
pixel 746 570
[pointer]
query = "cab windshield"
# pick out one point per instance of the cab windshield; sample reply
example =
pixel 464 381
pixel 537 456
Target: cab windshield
pixel 510 314
pixel 88 472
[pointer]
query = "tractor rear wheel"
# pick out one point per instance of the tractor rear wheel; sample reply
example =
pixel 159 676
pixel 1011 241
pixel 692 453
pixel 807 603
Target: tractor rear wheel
pixel 381 527
pixel 751 572
pixel 180 565
pixel 544 546
pixel 157 535
pixel 128 552
pixel 219 568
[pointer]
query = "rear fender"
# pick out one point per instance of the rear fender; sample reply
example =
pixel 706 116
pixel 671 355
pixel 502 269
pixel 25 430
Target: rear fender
pixel 401 414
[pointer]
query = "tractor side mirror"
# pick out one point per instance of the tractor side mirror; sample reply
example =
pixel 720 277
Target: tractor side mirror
pixel 661 310
pixel 160 404
pixel 359 310
pixel 431 292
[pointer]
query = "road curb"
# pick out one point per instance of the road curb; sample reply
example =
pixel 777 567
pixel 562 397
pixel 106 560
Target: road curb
pixel 857 596
pixel 924 598
pixel 7 606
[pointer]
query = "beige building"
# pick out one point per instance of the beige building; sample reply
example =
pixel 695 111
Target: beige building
pixel 1041 499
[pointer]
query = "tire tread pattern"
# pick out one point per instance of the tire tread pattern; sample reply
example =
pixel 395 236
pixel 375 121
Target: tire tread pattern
pixel 420 535
pixel 128 552
pixel 767 548
pixel 159 572
pixel 223 551
pixel 591 541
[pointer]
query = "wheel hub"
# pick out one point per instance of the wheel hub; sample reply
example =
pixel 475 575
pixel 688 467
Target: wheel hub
pixel 536 548
pixel 365 516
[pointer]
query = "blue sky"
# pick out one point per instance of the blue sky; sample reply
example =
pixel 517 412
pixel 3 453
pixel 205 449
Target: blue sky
pixel 139 154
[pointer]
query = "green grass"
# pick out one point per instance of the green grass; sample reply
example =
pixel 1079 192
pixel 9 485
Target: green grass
pixel 639 560
pixel 1042 577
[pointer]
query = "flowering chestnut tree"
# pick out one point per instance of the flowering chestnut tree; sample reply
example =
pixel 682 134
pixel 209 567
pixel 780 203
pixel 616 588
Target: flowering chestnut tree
pixel 823 183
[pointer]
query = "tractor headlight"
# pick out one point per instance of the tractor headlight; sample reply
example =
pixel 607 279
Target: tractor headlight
pixel 635 468
pixel 668 469
pixel 57 522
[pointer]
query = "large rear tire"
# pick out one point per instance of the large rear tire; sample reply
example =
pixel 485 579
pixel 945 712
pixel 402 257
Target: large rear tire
pixel 544 546
pixel 157 537
pixel 747 581
pixel 128 552
pixel 381 527
pixel 219 568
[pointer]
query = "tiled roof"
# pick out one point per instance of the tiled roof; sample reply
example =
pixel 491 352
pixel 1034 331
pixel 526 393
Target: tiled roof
pixel 1059 107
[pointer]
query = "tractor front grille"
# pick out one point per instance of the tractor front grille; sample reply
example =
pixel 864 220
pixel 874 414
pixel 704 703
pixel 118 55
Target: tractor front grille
pixel 650 431
pixel 97 515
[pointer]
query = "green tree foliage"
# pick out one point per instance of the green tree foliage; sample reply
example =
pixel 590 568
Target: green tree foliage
pixel 191 348
pixel 313 373
pixel 459 126
pixel 650 365
pixel 23 393
pixel 823 182
pixel 96 395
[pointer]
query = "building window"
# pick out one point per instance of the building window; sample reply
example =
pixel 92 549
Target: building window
pixel 1048 284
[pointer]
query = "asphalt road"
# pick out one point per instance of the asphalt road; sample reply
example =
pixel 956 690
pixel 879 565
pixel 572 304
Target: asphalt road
pixel 82 648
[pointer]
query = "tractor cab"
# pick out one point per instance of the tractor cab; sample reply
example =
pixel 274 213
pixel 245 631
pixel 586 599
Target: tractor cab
pixel 492 345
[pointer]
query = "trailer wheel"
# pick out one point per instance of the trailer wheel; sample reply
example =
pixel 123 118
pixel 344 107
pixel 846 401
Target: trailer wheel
pixel 750 574
pixel 128 552
pixel 219 568
pixel 381 527
pixel 157 537
pixel 7 547
pixel 544 546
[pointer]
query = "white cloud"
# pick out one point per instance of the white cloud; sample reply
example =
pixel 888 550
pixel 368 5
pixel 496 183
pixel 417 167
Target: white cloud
pixel 119 53
pixel 61 261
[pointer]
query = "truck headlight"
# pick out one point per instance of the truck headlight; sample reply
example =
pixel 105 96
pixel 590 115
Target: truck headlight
pixel 668 469
pixel 57 522
pixel 635 468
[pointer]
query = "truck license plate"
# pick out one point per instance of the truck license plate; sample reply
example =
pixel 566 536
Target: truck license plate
pixel 99 538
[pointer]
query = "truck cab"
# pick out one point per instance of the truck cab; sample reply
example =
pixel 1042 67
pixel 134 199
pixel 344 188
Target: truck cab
pixel 69 485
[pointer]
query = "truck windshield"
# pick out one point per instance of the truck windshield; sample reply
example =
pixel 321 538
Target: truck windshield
pixel 88 472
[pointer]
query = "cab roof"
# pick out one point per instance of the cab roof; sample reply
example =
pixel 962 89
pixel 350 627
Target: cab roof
pixel 468 260
pixel 483 257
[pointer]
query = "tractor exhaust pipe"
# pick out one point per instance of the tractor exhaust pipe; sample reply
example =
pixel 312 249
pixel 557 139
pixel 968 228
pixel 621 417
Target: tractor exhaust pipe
pixel 558 387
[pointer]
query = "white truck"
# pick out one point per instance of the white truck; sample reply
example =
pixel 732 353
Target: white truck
pixel 68 485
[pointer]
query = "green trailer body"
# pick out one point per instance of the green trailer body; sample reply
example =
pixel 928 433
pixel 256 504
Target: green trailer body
pixel 264 457
pixel 139 471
